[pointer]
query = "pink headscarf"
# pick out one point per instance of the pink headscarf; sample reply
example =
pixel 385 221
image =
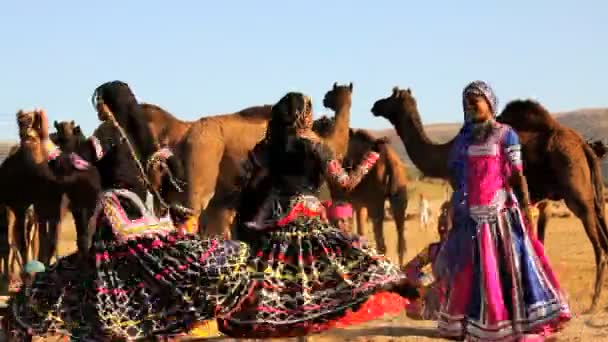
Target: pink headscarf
pixel 338 211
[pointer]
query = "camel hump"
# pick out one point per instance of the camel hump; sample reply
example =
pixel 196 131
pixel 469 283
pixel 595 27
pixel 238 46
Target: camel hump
pixel 256 112
pixel 528 115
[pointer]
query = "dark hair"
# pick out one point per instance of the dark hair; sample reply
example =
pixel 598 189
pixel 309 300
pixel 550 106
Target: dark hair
pixel 122 102
pixel 290 114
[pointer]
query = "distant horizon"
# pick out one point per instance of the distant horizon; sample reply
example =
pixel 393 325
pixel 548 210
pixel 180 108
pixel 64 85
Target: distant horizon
pixel 379 129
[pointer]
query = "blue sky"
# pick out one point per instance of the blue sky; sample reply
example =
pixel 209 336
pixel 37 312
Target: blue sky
pixel 200 57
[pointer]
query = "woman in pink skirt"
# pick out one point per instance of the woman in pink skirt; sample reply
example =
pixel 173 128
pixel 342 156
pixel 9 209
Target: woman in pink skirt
pixel 499 284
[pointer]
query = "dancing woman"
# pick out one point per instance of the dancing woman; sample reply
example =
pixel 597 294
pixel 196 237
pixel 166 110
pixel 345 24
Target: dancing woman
pixel 306 275
pixel 500 285
pixel 141 277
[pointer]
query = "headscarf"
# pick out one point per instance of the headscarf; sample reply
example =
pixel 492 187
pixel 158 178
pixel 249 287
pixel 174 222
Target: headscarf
pixel 336 211
pixel 479 88
pixel 293 113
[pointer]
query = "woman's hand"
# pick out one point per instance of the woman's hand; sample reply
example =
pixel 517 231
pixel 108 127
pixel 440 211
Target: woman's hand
pixel 531 214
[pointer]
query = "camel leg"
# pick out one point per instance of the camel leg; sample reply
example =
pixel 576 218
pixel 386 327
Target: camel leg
pixel 43 242
pixel 585 212
pixel 84 237
pixel 361 213
pixel 202 169
pixel 218 220
pixel 543 218
pixel 4 245
pixel 398 203
pixel 377 214
pixel 19 232
pixel 33 245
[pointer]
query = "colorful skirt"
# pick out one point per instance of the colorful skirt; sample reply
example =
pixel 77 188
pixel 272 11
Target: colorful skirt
pixel 143 278
pixel 506 288
pixel 307 276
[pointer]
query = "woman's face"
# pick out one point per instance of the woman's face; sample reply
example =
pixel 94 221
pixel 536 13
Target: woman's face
pixel 478 108
pixel 342 224
pixel 103 112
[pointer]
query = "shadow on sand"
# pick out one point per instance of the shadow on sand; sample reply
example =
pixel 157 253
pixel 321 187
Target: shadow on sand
pixel 345 334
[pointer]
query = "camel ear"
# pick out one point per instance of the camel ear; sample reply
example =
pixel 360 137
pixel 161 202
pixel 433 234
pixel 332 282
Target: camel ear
pixel 335 85
pixel 72 123
pixel 56 124
pixel 350 86
pixel 395 91
pixel 409 91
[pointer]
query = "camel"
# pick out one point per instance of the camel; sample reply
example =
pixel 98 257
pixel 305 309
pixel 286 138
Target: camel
pixel 559 165
pixel 387 180
pixel 569 172
pixel 83 190
pixel 26 172
pixel 22 185
pixel 213 148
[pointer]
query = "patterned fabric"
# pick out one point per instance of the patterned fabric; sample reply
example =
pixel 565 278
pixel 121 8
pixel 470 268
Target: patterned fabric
pixel 136 283
pixel 306 275
pixel 338 175
pixel 499 282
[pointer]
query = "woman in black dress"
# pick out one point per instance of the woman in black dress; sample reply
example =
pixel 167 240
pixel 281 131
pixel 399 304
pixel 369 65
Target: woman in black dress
pixel 306 275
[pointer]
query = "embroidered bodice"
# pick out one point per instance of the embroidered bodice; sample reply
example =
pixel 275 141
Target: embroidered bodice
pixel 482 169
pixel 294 179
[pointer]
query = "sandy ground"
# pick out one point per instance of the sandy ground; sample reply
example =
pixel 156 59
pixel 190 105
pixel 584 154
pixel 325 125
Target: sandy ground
pixel 567 246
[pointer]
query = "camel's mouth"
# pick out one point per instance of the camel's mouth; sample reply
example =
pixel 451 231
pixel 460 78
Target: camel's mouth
pixel 375 111
pixel 326 103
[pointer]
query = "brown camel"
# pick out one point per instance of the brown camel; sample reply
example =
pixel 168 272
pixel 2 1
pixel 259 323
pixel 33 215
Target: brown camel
pixel 387 180
pixel 569 172
pixel 22 185
pixel 213 148
pixel 83 190
pixel 26 172
pixel 559 165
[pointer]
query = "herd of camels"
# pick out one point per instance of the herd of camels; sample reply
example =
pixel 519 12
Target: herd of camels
pixel 559 165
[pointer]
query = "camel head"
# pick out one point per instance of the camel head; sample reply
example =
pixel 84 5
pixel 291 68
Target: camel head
pixel 527 115
pixel 599 148
pixel 401 102
pixel 338 96
pixel 29 124
pixel 68 135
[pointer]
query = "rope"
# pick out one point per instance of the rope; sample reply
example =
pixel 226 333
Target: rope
pixel 144 177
